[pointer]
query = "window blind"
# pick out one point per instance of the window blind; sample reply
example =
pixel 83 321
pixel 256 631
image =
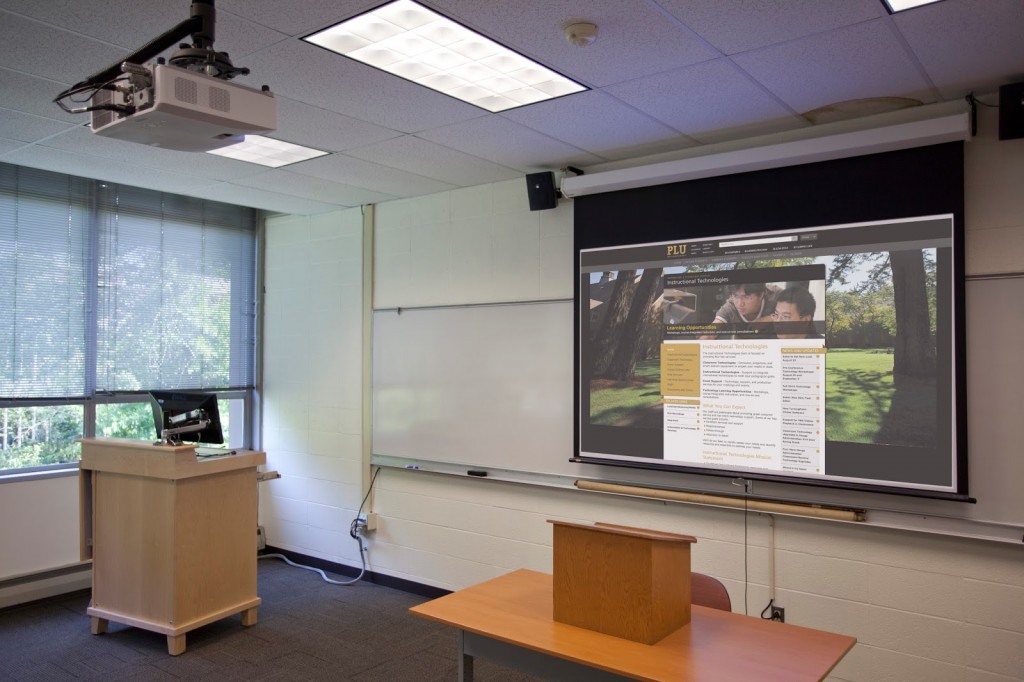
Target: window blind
pixel 119 289
pixel 44 262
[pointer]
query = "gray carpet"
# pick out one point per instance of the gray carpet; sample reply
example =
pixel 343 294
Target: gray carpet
pixel 307 630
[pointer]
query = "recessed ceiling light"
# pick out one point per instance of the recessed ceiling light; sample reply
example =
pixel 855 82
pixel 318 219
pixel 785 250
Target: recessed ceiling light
pixel 267 151
pixel 900 5
pixel 408 40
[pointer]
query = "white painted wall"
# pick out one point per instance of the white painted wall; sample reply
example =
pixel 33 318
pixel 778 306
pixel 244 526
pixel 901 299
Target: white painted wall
pixel 38 533
pixel 312 383
pixel 923 607
pixel 38 525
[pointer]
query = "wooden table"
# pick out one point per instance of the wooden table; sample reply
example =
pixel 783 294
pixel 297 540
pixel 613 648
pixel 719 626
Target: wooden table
pixel 172 538
pixel 509 620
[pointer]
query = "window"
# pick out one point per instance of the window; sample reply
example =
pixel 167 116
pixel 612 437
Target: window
pixel 38 436
pixel 111 291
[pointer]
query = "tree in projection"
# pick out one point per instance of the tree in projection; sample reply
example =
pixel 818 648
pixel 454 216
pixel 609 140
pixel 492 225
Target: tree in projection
pixel 629 350
pixel 909 274
pixel 914 352
pixel 880 331
pixel 617 309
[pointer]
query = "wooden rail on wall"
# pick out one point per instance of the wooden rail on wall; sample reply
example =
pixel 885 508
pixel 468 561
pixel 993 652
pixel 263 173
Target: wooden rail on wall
pixel 816 511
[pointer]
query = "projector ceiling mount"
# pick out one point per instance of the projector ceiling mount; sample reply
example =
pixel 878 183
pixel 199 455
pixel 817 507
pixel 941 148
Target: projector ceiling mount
pixel 181 103
pixel 199 56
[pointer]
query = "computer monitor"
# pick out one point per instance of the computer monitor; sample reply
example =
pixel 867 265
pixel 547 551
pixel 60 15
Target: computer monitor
pixel 176 409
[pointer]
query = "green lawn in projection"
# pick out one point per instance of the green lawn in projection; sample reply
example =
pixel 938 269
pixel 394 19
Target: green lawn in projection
pixel 628 403
pixel 866 403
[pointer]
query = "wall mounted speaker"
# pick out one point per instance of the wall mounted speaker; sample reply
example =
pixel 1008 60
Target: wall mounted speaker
pixel 1011 111
pixel 540 187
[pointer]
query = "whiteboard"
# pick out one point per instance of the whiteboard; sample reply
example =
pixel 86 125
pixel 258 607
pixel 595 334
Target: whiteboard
pixel 490 387
pixel 484 386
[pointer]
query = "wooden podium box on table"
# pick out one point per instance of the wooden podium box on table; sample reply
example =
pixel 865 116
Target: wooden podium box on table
pixel 621 581
pixel 172 537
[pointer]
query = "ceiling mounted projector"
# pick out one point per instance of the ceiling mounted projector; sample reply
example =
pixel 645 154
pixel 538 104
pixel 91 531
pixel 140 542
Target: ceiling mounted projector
pixel 175 108
pixel 185 103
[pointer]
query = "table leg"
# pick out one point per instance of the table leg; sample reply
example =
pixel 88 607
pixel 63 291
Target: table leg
pixel 465 660
pixel 175 644
pixel 98 626
pixel 544 666
pixel 249 617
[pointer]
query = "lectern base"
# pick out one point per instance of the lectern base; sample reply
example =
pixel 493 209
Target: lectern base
pixel 100 619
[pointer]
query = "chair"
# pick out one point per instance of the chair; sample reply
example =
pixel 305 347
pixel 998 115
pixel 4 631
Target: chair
pixel 709 592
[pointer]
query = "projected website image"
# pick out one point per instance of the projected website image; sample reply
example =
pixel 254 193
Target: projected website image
pixel 741 301
pixel 633 312
pixel 880 387
pixel 869 399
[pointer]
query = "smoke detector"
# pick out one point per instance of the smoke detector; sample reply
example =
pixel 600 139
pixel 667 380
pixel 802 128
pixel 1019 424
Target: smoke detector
pixel 581 33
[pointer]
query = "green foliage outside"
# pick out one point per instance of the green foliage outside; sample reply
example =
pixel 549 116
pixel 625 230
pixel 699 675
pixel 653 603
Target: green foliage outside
pixel 620 402
pixel 125 420
pixel 38 436
pixel 866 403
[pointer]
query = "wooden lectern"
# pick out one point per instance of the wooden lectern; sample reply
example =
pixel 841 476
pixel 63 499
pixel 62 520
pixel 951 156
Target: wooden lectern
pixel 172 538
pixel 625 582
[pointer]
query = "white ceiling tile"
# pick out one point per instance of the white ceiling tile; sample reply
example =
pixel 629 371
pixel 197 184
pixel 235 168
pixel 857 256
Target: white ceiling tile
pixel 240 38
pixel 360 173
pixel 34 95
pixel 742 25
pixel 319 128
pixel 9 146
pixel 15 125
pixel 97 168
pixel 510 144
pixel 296 20
pixel 666 86
pixel 756 129
pixel 648 148
pixel 263 199
pixel 967 47
pixel 434 161
pixel 34 48
pixel 131 24
pixel 280 180
pixel 708 96
pixel 592 121
pixel 866 60
pixel 633 39
pixel 125 23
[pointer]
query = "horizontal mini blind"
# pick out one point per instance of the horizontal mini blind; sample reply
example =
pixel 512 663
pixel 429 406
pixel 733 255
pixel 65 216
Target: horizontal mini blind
pixel 109 288
pixel 176 293
pixel 44 264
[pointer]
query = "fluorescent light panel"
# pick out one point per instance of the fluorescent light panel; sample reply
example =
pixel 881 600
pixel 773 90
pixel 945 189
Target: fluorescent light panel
pixel 408 40
pixel 267 151
pixel 902 5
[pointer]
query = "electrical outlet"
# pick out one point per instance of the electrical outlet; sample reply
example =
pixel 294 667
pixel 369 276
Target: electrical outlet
pixel 368 521
pixel 779 614
pixel 261 539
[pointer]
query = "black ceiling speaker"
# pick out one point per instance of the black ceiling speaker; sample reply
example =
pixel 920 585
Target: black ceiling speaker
pixel 1011 111
pixel 541 189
